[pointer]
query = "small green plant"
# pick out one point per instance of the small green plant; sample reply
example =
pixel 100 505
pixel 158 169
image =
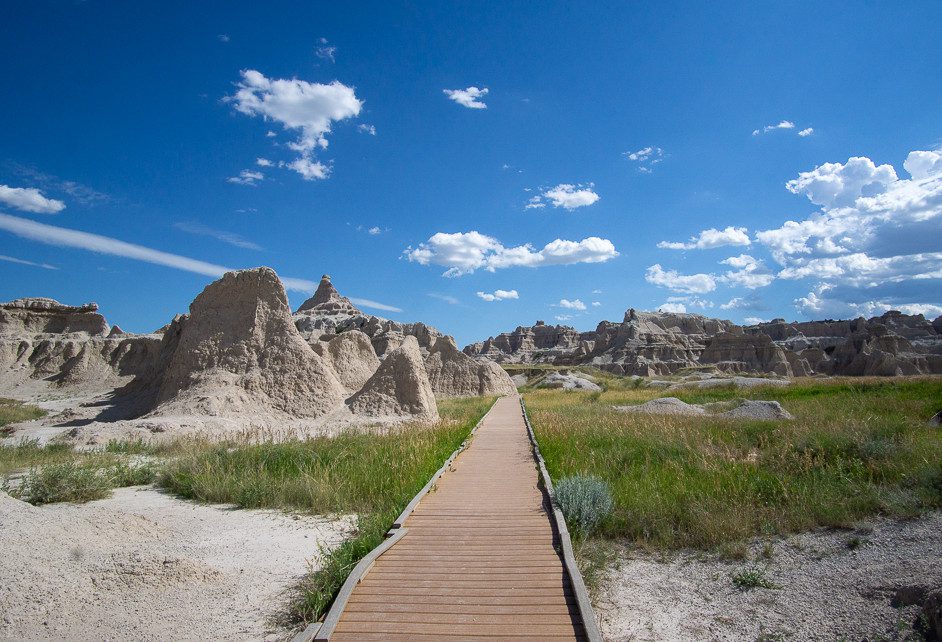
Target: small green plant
pixel 752 577
pixel 68 482
pixel 585 501
pixel 12 411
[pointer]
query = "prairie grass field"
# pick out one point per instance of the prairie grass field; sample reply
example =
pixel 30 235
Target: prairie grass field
pixel 856 448
pixel 372 474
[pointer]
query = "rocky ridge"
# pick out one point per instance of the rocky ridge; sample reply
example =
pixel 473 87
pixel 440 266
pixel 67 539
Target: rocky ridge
pixel 661 343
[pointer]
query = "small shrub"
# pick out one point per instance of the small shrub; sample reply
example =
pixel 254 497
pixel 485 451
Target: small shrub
pixel 12 411
pixel 753 577
pixel 585 502
pixel 66 482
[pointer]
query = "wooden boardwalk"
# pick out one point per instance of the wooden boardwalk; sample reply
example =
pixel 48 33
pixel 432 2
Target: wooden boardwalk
pixel 480 559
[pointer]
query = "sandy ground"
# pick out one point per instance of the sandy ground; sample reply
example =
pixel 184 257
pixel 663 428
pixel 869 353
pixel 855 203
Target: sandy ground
pixel 145 566
pixel 827 591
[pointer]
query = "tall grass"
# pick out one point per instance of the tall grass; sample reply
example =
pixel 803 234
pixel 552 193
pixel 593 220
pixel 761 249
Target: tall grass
pixel 856 448
pixel 371 474
pixel 12 411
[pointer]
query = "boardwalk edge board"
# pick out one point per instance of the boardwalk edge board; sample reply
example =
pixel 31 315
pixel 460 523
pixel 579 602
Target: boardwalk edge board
pixel 589 623
pixel 321 631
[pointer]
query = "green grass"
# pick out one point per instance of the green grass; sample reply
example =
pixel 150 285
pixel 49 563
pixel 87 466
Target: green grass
pixel 79 481
pixel 371 474
pixel 856 448
pixel 751 577
pixel 12 411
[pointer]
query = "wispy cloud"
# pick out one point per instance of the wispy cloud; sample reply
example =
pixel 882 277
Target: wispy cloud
pixel 246 177
pixel 78 192
pixel 192 227
pixel 447 298
pixel 13 259
pixel 63 237
pixel 646 158
pixel 326 51
pixel 366 129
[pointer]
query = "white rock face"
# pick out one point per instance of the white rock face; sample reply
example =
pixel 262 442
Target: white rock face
pixel 240 352
pixel 399 387
pixel 454 374
pixel 351 357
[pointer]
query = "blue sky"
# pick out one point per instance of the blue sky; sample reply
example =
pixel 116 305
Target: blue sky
pixel 749 162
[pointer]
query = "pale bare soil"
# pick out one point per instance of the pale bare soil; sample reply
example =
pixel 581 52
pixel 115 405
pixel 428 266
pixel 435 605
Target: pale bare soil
pixel 826 589
pixel 143 565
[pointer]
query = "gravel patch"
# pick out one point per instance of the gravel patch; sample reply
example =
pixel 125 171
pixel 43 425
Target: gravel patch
pixel 865 584
pixel 143 565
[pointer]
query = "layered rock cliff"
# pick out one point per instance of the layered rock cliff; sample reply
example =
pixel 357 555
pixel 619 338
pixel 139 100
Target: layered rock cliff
pixel 660 343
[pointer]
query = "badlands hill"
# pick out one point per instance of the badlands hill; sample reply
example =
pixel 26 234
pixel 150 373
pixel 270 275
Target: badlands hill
pixel 238 361
pixel 660 343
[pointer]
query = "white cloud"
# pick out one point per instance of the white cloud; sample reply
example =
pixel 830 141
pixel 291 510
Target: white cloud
pixel 684 283
pixel 246 177
pixel 199 229
pixel 270 134
pixel 711 238
pixel 646 158
pixel 754 320
pixel 749 273
pixel 263 162
pixel 806 132
pixel 596 292
pixel 311 109
pixel 816 305
pixel 563 317
pixel 64 237
pixel 373 231
pixel 78 192
pixel 570 196
pixel 499 295
pixel 447 298
pixel 223 37
pixel 465 252
pixel 674 308
pixel 13 259
pixel 369 303
pixel 309 169
pixel 874 241
pixel 326 51
pixel 596 304
pixel 535 202
pixel 575 304
pixel 691 301
pixel 785 124
pixel 840 185
pixel 751 301
pixel 29 199
pixel 470 97
pixel 366 129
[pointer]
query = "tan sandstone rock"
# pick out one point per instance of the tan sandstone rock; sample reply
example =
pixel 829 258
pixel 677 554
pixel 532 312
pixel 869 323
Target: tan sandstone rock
pixel 454 374
pixel 351 357
pixel 239 352
pixel 399 387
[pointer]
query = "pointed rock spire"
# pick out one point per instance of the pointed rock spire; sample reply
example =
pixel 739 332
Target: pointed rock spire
pixel 327 300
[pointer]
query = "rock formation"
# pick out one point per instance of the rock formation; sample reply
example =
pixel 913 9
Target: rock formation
pixel 399 387
pixel 659 343
pixel 327 313
pixel 454 374
pixel 38 315
pixel 239 351
pixel 351 357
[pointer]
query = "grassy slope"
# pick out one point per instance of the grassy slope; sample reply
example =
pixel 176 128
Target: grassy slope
pixel 12 411
pixel 856 448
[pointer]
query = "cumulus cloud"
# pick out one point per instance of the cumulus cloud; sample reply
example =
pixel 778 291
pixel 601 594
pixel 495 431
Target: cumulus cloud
pixel 64 237
pixel 470 97
pixel 499 295
pixel 310 109
pixel 191 227
pixel 263 162
pixel 646 158
pixel 675 308
pixel 807 131
pixel 873 231
pixel 711 238
pixel 817 305
pixel 749 272
pixel 575 304
pixel 567 196
pixel 684 283
pixel 596 304
pixel 465 252
pixel 29 199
